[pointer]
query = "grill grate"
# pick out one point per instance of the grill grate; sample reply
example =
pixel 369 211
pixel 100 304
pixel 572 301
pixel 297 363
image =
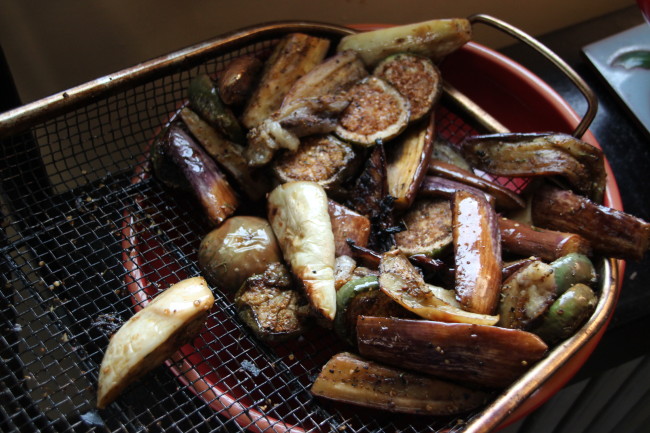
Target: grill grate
pixel 68 200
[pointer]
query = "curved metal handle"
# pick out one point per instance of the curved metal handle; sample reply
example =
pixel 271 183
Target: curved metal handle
pixel 592 101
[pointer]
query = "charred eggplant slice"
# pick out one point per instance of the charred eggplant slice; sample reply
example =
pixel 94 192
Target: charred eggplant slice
pixel 521 155
pixel 152 335
pixel 428 228
pixel 320 158
pixel 414 76
pixel 294 56
pixel 377 113
pixel 348 378
pixel 402 282
pixel 347 225
pixel 477 252
pixel 408 160
pixel 434 39
pixel 611 232
pixel 439 187
pixel 269 305
pixel 526 295
pixel 486 356
pixel 207 182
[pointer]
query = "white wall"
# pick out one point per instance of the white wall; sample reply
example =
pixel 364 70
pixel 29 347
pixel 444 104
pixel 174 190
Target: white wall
pixel 54 45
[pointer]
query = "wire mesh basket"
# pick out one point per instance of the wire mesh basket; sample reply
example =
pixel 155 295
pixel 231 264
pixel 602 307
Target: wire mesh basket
pixel 88 236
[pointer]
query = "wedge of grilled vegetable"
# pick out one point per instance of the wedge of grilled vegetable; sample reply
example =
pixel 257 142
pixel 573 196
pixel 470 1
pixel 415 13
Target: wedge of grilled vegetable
pixel 447 152
pixel 567 314
pixel 525 240
pixel 505 198
pixel 428 228
pixel 526 295
pixel 152 335
pixel 571 269
pixel 344 267
pixel 298 213
pixel 519 155
pixel 207 182
pixel 487 356
pixel 414 76
pixel 611 232
pixel 206 102
pixel 348 378
pixel 401 281
pixel 347 225
pixel 320 158
pixel 241 247
pixel 439 187
pixel 270 306
pixel 477 252
pixel 408 161
pixel 294 56
pixel 229 155
pixel 377 112
pixel 335 74
pixel 434 39
pixel 238 79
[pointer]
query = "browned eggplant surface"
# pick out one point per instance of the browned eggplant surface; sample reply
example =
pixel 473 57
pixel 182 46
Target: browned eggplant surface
pixel 338 207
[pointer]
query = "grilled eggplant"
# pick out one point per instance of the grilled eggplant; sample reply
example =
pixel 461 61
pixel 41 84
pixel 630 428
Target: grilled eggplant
pixel 434 39
pixel 477 252
pixel 152 335
pixel 486 356
pixel 347 225
pixel 611 232
pixel 298 213
pixel 428 228
pixel 377 113
pixel 270 306
pixel 402 282
pixel 520 155
pixel 572 269
pixel 525 240
pixel 439 187
pixel 207 182
pixel 414 76
pixel 407 163
pixel 348 378
pixel 294 56
pixel 237 81
pixel 241 247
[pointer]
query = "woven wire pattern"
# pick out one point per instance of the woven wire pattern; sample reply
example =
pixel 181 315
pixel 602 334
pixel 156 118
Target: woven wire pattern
pixel 69 195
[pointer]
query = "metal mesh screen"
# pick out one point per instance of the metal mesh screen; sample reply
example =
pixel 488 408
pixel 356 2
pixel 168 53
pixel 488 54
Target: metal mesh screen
pixel 81 240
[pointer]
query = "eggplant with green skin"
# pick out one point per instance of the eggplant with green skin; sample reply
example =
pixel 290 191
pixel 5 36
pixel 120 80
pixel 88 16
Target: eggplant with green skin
pixel 567 314
pixel 348 378
pixel 344 296
pixel 206 181
pixel 611 232
pixel 402 282
pixel 407 162
pixel 241 247
pixel 434 39
pixel 416 77
pixel 271 307
pixel 204 100
pixel 571 269
pixel 526 295
pixel 487 356
pixel 523 155
pixel 525 240
pixel 377 113
pixel 504 198
pixel 477 252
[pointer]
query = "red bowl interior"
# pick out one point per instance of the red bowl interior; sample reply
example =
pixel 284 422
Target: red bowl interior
pixel 505 89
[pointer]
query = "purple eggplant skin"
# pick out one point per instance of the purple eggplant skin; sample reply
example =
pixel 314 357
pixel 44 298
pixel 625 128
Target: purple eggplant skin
pixel 436 186
pixel 487 356
pixel 207 182
pixel 540 154
pixel 477 252
pixel 611 232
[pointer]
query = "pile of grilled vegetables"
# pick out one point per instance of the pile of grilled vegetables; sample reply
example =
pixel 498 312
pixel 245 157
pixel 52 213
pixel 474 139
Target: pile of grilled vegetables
pixel 334 205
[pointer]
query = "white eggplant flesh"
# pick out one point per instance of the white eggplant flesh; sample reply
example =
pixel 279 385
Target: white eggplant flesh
pixel 298 213
pixel 152 335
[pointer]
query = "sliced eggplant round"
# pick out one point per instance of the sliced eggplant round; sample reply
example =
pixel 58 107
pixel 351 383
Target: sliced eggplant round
pixel 416 77
pixel 428 228
pixel 377 112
